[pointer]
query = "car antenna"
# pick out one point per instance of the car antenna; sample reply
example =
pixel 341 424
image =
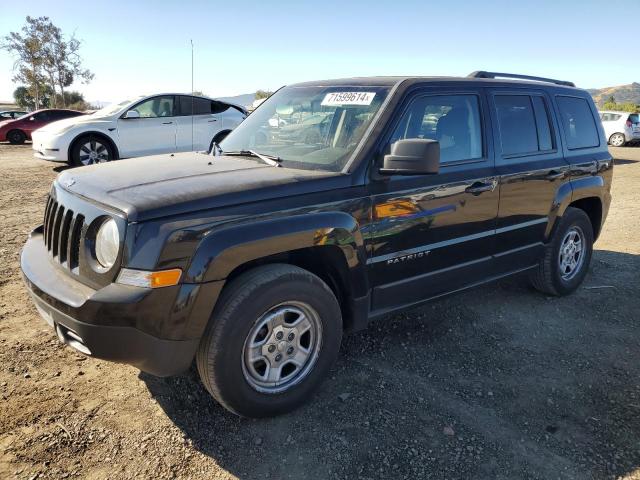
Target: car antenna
pixel 191 94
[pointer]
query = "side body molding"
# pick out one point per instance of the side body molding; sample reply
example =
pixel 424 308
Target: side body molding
pixel 222 250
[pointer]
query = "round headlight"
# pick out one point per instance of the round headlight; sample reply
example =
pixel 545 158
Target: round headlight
pixel 107 243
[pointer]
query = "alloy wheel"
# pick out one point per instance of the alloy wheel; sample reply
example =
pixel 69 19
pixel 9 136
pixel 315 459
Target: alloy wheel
pixel 93 152
pixel 617 140
pixel 571 255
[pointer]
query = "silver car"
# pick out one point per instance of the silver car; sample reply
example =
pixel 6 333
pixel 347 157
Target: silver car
pixel 620 128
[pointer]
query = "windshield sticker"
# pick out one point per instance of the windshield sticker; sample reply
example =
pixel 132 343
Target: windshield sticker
pixel 348 98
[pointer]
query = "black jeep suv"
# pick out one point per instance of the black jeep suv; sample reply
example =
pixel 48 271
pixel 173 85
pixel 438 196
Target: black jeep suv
pixel 254 258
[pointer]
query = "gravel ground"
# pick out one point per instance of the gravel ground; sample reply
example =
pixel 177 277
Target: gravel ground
pixel 498 382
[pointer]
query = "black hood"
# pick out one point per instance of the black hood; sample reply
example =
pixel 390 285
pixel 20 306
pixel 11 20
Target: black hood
pixel 149 187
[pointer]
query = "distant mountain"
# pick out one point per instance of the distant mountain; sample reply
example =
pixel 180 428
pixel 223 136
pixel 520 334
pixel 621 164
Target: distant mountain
pixel 622 94
pixel 244 100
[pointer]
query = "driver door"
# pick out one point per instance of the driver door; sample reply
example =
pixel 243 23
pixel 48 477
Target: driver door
pixel 153 132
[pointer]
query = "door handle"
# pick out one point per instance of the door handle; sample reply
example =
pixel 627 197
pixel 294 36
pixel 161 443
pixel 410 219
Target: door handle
pixel 167 123
pixel 476 188
pixel 554 175
pixel 212 120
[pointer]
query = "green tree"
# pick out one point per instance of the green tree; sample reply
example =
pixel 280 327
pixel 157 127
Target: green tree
pixel 43 55
pixel 28 50
pixel 260 94
pixel 611 99
pixel 24 97
pixel 63 62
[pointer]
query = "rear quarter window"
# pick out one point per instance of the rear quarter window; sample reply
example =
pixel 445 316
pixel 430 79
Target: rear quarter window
pixel 577 123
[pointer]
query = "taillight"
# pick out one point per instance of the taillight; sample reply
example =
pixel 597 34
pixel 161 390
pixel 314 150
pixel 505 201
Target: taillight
pixel 629 123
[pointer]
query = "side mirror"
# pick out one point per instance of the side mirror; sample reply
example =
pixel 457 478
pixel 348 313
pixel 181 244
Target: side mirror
pixel 132 114
pixel 412 156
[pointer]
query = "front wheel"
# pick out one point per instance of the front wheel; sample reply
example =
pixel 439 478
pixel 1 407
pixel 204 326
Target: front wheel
pixel 271 340
pixel 567 257
pixel 617 140
pixel 89 150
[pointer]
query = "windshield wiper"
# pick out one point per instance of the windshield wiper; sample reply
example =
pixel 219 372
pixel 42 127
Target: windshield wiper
pixel 272 160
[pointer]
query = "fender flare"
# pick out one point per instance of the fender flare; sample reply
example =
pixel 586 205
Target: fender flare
pixel 567 193
pixel 223 250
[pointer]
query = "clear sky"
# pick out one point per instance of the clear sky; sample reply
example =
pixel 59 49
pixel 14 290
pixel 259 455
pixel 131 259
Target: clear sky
pixel 142 46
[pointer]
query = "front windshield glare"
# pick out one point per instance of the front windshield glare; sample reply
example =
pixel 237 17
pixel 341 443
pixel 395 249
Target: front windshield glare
pixel 309 127
pixel 113 108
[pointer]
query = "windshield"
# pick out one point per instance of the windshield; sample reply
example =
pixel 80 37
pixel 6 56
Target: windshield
pixel 113 108
pixel 309 127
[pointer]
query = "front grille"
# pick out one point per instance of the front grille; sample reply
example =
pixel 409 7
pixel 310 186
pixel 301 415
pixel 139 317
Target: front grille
pixel 62 231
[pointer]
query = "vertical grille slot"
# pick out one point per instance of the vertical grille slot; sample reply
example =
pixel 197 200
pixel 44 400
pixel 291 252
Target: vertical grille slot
pixel 64 236
pixel 55 233
pixel 49 227
pixel 73 251
pixel 47 212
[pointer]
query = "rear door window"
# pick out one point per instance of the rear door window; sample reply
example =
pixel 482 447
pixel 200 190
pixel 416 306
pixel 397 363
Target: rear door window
pixel 195 106
pixel 578 123
pixel 518 133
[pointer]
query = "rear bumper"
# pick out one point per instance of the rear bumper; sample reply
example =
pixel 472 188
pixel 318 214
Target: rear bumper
pixel 105 323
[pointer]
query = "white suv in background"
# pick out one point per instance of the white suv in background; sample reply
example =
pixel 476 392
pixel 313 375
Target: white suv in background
pixel 164 123
pixel 620 127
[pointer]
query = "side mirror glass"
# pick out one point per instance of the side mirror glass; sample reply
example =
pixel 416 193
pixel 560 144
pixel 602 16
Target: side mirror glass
pixel 132 114
pixel 412 156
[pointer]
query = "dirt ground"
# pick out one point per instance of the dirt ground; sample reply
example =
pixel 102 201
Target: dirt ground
pixel 498 382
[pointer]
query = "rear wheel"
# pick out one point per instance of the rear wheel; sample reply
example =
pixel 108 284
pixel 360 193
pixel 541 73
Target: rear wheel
pixel 89 150
pixel 567 257
pixel 16 137
pixel 617 140
pixel 272 338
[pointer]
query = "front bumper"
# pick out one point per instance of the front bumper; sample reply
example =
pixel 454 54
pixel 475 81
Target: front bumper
pixel 104 323
pixel 49 147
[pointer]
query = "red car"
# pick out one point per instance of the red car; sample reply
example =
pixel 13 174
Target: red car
pixel 18 130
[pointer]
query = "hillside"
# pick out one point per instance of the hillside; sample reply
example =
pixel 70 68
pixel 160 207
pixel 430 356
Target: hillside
pixel 245 100
pixel 623 94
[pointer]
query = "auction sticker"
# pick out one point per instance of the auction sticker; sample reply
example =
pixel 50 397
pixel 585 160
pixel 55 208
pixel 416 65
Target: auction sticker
pixel 348 98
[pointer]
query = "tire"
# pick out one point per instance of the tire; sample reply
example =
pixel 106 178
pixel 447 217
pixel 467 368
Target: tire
pixel 617 140
pixel 224 361
pixel 551 277
pixel 91 149
pixel 16 137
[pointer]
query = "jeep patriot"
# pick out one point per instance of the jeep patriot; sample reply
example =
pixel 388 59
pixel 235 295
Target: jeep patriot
pixel 334 203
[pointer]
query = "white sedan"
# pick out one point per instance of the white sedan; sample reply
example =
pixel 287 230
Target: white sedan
pixel 150 125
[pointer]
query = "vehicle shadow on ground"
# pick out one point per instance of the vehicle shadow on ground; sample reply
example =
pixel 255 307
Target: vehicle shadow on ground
pixel 500 381
pixel 625 161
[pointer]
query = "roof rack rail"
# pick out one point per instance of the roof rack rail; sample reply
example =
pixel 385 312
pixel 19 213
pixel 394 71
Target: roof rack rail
pixel 483 74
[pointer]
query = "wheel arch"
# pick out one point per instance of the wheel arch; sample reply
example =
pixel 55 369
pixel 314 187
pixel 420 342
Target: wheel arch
pixel 584 193
pixel 95 133
pixel 328 245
